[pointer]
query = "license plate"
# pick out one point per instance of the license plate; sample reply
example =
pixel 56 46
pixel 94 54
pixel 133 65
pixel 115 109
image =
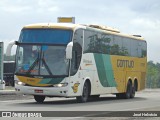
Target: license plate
pixel 38 91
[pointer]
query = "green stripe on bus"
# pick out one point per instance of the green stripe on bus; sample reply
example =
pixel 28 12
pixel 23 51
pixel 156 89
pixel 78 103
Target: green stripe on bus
pixel 104 69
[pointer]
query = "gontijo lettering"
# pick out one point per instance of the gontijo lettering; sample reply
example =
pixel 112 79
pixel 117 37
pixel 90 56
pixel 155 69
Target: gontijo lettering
pixel 125 63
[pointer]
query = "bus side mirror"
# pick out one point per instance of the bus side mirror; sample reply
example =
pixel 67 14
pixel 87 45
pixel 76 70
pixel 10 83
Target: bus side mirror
pixel 69 50
pixel 9 47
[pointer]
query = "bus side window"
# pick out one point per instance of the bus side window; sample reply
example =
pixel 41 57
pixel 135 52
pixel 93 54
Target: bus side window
pixel 144 49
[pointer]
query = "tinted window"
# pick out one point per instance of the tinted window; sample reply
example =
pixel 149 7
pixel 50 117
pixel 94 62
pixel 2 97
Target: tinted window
pixel 97 42
pixel 143 49
pixel 116 45
pixel 90 42
pixel 134 48
pixel 54 36
pixel 106 43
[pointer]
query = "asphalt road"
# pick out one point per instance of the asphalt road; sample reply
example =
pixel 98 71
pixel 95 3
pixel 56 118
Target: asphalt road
pixel 148 100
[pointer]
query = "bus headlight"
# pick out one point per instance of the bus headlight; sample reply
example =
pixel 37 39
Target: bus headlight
pixel 61 85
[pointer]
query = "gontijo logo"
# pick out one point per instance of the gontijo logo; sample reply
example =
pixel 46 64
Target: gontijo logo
pixel 125 63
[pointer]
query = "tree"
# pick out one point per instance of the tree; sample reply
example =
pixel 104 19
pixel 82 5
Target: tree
pixel 153 76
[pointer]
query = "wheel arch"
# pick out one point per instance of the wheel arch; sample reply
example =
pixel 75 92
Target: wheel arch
pixel 129 80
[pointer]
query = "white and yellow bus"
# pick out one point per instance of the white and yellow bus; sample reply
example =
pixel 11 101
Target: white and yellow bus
pixel 82 61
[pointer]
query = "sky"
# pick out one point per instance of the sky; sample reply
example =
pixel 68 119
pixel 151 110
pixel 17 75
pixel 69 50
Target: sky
pixel 140 17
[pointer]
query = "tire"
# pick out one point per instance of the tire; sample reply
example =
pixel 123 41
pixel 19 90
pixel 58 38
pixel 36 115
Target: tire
pixel 39 99
pixel 85 94
pixel 133 92
pixel 128 93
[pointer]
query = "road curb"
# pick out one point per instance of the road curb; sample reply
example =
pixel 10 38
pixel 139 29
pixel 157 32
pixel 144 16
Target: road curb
pixel 7 92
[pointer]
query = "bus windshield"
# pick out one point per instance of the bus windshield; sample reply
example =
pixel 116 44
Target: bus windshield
pixel 41 60
pixel 42 52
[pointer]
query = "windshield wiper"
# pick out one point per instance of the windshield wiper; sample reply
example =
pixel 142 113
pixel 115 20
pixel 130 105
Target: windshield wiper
pixel 33 65
pixel 36 63
pixel 46 66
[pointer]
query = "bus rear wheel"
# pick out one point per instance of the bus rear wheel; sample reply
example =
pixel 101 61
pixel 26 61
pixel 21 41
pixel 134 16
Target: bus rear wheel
pixel 39 98
pixel 85 94
pixel 133 92
pixel 128 94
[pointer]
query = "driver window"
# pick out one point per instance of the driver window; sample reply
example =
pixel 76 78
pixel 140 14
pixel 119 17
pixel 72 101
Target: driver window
pixel 77 51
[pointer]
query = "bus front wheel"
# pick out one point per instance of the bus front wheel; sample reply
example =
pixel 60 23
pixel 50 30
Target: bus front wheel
pixel 39 99
pixel 85 94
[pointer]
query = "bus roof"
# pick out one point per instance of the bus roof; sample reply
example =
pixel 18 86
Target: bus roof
pixel 114 31
pixel 55 25
pixel 72 26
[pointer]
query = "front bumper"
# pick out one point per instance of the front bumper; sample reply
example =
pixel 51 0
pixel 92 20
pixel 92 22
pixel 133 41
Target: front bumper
pixel 46 91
